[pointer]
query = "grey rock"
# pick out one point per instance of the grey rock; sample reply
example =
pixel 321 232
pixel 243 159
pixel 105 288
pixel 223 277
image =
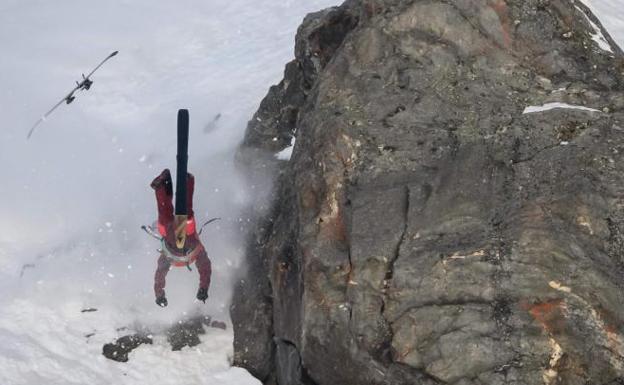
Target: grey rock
pixel 119 350
pixel 186 332
pixel 183 333
pixel 425 229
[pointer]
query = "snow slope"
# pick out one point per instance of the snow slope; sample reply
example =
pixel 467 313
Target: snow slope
pixel 73 197
pixel 611 15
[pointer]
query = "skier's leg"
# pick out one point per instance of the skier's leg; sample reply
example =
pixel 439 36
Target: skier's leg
pixel 190 187
pixel 205 271
pixel 164 195
pixel 160 276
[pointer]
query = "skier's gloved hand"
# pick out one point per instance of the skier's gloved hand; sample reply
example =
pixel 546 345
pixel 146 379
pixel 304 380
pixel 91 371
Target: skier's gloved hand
pixel 161 301
pixel 202 294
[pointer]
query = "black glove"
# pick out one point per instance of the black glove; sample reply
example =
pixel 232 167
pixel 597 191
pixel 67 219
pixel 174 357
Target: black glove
pixel 161 301
pixel 202 294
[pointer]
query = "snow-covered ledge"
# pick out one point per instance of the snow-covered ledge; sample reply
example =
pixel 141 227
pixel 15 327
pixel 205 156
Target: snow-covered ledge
pixel 553 105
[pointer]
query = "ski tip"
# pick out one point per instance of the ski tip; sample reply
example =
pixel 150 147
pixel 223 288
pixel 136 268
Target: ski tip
pixel 113 54
pixel 183 117
pixel 32 129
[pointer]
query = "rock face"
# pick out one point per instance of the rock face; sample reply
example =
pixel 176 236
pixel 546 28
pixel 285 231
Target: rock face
pixel 429 227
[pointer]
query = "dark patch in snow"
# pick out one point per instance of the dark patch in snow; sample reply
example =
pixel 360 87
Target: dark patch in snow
pixel 218 325
pixel 119 350
pixel 184 333
pixel 187 332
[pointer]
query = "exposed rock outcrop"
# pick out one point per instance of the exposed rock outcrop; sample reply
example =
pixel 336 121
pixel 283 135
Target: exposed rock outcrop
pixel 184 333
pixel 453 211
pixel 119 350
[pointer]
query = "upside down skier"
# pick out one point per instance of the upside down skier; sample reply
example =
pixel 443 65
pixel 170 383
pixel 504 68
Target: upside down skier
pixel 172 232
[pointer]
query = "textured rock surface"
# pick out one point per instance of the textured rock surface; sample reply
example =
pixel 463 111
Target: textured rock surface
pixel 425 230
pixel 119 350
pixel 184 333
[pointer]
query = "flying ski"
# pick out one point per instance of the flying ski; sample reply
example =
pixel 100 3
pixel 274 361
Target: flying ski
pixel 84 84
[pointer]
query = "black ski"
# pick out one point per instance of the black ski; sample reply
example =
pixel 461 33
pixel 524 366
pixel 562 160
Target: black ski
pixel 181 207
pixel 182 163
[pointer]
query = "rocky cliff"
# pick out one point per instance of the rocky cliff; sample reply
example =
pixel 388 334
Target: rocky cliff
pixel 453 210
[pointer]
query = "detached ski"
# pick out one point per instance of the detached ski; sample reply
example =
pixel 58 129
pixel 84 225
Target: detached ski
pixel 99 65
pixel 84 84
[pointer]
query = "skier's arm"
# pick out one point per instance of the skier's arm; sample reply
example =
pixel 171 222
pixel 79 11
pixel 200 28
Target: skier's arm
pixel 160 276
pixel 205 269
pixel 190 188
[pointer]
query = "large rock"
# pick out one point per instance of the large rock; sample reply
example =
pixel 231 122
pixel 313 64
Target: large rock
pixel 428 229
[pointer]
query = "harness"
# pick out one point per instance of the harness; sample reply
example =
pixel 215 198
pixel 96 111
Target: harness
pixel 176 258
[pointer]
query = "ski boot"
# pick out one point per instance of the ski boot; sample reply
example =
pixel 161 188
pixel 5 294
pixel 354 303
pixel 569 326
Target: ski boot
pixel 164 179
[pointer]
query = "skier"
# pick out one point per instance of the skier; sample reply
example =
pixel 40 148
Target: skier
pixel 192 250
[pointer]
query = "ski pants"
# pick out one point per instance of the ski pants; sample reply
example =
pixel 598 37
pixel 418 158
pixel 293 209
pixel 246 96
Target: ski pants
pixel 203 267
